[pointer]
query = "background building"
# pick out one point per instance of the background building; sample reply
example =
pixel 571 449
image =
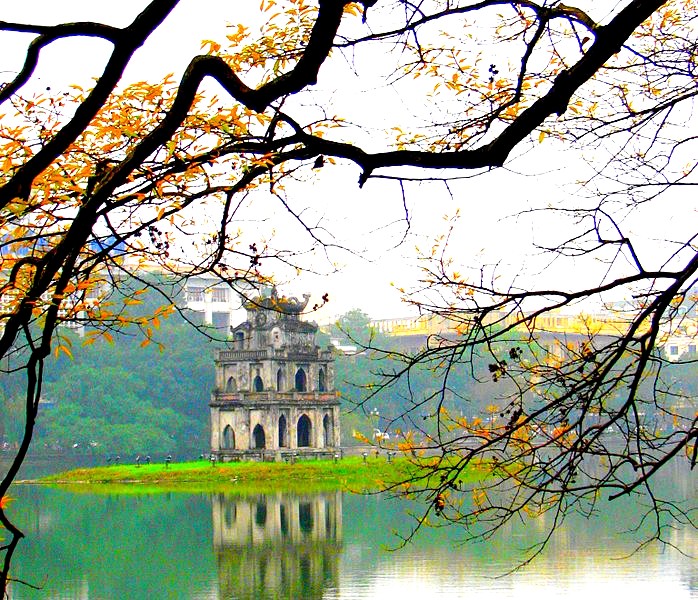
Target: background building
pixel 217 303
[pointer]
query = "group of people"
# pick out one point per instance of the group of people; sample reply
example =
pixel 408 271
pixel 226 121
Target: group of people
pixel 147 459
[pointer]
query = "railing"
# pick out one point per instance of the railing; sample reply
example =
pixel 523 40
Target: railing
pixel 278 454
pixel 607 324
pixel 240 397
pixel 224 355
pixel 271 353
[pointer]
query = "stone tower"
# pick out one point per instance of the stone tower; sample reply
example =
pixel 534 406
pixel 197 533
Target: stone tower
pixel 274 393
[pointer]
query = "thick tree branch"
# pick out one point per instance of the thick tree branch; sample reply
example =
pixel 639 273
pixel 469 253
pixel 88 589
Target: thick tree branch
pixel 46 37
pixel 19 185
pixel 609 40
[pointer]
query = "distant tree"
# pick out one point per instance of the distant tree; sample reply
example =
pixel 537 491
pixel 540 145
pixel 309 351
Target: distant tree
pixel 100 183
pixel 163 386
pixel 354 326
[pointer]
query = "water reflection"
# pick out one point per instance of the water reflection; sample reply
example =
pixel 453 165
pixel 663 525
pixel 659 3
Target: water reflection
pixel 330 546
pixel 277 546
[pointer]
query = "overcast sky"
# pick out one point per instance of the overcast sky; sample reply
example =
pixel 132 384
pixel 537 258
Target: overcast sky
pixel 368 220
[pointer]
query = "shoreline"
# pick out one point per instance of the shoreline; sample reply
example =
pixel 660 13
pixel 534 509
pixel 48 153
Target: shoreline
pixel 352 472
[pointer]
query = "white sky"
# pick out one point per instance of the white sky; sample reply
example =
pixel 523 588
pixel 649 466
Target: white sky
pixel 365 219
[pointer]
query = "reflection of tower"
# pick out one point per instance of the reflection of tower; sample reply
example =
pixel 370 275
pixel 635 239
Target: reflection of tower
pixel 274 391
pixel 277 546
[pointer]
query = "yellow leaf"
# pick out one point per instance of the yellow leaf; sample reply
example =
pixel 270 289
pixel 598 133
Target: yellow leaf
pixel 64 349
pixel 360 437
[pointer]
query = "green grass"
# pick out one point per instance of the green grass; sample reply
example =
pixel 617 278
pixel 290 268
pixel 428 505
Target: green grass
pixel 351 473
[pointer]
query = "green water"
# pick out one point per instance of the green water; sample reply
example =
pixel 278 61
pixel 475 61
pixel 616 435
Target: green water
pixel 211 546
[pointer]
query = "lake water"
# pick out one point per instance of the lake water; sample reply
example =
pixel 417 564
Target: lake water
pixel 332 546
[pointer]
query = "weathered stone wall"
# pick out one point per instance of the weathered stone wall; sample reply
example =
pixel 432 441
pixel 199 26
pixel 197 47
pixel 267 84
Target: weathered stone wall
pixel 269 342
pixel 243 421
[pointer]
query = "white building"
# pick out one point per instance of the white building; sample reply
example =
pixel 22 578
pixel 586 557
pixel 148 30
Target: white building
pixel 217 303
pixel 681 339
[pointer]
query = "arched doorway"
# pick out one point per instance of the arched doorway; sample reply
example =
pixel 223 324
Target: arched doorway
pixel 322 381
pixel 304 431
pixel 283 520
pixel 283 432
pixel 258 384
pixel 260 514
pixel 327 431
pixel 230 513
pixel 301 380
pixel 228 438
pixel 280 381
pixel 305 517
pixel 231 385
pixel 258 437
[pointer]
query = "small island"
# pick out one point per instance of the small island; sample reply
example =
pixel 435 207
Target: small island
pixel 366 473
pixel 355 473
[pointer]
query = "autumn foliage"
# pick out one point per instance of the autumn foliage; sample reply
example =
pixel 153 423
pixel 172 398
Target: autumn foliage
pixel 182 176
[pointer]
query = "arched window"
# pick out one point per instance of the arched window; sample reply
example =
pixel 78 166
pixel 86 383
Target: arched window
pixel 283 520
pixel 258 437
pixel 283 432
pixel 327 431
pixel 305 517
pixel 260 514
pixel 280 381
pixel 239 340
pixel 231 385
pixel 322 381
pixel 304 431
pixel 230 513
pixel 228 438
pixel 258 384
pixel 301 380
pixel 330 529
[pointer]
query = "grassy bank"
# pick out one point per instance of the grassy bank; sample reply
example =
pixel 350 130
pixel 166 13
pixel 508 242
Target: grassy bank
pixel 351 473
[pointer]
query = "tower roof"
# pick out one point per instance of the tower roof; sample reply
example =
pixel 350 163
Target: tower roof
pixel 281 304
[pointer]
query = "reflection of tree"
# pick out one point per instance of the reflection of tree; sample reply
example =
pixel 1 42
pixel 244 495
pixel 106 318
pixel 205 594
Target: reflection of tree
pixel 583 554
pixel 279 546
pixel 115 546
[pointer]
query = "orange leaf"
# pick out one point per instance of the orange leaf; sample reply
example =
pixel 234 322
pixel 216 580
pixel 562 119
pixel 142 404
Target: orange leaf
pixel 63 349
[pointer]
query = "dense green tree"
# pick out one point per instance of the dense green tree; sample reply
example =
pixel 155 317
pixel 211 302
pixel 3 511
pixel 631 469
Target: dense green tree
pixel 121 396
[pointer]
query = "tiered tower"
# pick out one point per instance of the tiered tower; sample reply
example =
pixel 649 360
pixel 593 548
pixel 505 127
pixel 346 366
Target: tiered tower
pixel 274 393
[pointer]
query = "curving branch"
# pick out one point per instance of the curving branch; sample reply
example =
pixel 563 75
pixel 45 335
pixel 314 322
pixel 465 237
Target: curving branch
pixel 46 36
pixel 132 37
pixel 558 413
pixel 544 13
pixel 609 39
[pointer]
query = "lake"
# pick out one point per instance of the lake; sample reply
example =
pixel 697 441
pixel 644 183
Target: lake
pixel 331 545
